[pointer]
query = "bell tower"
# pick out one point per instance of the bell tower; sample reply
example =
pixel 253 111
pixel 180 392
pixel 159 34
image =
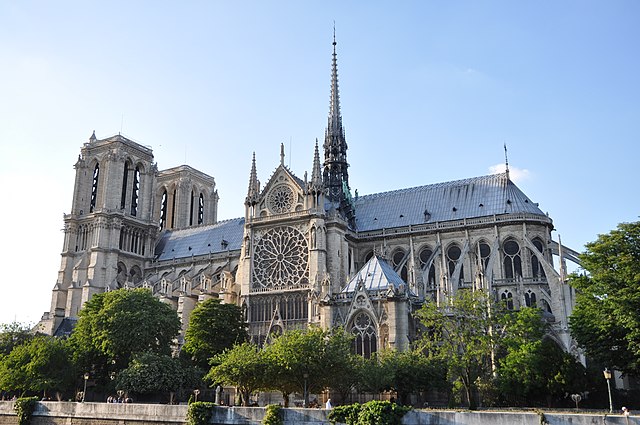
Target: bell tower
pixel 109 233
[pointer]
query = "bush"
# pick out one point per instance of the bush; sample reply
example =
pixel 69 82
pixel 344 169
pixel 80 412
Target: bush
pixel 24 407
pixel 273 415
pixel 200 412
pixel 372 412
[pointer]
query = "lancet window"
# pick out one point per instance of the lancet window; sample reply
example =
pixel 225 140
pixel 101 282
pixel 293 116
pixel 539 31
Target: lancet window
pixel 125 179
pixel 399 263
pixel 430 275
pixel 163 210
pixel 135 192
pixel 530 299
pixel 537 271
pixel 366 339
pixel 512 261
pixel 94 188
pixel 507 299
pixel 453 256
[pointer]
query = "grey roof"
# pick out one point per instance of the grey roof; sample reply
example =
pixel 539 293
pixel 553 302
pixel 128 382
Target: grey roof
pixel 376 275
pixel 454 200
pixel 200 240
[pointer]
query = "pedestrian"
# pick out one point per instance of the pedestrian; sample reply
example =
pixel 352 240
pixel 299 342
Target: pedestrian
pixel 328 404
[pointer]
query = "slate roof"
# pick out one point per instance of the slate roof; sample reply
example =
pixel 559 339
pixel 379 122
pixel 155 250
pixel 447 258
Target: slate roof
pixel 200 240
pixel 377 275
pixel 454 200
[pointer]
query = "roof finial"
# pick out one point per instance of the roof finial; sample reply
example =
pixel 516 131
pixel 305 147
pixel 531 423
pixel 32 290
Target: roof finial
pixel 93 137
pixel 506 160
pixel 282 154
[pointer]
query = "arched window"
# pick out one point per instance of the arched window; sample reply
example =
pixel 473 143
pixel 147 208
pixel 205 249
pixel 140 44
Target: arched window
pixel 173 208
pixel 366 340
pixel 512 260
pixel 507 298
pixel 135 193
pixel 193 200
pixel 485 254
pixel 453 255
pixel 536 267
pixel 94 188
pixel 122 275
pixel 530 299
pixel 397 259
pixel 163 210
pixel 125 179
pixel 430 276
pixel 201 209
pixel 545 306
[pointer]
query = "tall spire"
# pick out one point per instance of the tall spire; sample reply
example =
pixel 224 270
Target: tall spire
pixel 254 185
pixel 316 172
pixel 506 160
pixel 335 174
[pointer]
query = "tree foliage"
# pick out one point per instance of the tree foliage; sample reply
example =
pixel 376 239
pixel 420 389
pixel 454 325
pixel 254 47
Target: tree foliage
pixel 534 369
pixel 115 326
pixel 242 366
pixel 13 334
pixel 605 321
pixel 213 328
pixel 155 373
pixel 40 365
pixel 463 335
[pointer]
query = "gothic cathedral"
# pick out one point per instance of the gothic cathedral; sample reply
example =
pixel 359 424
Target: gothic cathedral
pixel 307 251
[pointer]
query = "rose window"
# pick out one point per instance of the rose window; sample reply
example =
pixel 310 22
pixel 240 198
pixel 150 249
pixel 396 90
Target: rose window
pixel 281 199
pixel 280 259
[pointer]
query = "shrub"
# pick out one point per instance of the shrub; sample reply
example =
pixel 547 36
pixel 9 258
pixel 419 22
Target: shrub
pixel 200 412
pixel 372 412
pixel 273 415
pixel 24 407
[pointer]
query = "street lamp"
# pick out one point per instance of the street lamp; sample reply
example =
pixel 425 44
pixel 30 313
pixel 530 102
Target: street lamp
pixel 305 403
pixel 196 392
pixel 84 392
pixel 607 376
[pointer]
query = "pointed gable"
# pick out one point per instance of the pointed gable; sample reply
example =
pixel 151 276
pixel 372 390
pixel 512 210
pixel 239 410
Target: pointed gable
pixel 375 275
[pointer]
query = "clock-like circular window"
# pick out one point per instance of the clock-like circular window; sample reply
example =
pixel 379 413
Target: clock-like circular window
pixel 280 258
pixel 281 199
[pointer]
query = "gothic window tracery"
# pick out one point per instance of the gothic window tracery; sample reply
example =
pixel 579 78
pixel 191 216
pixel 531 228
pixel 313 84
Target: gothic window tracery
pixel 512 261
pixel 507 299
pixel 366 339
pixel 280 259
pixel 281 199
pixel 397 259
pixel 536 267
pixel 424 256
pixel 135 191
pixel 453 255
pixel 530 299
pixel 485 254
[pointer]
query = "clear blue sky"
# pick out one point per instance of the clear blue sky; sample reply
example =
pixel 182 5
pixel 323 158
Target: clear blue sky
pixel 430 92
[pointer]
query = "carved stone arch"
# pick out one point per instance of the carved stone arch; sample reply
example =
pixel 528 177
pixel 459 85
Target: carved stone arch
pixel 135 275
pixel 364 327
pixel 553 337
pixel 121 277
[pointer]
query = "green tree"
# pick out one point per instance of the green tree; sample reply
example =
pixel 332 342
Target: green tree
pixel 242 366
pixel 408 372
pixel 13 334
pixel 534 369
pixel 213 328
pixel 313 357
pixel 463 335
pixel 39 365
pixel 605 320
pixel 115 326
pixel 152 373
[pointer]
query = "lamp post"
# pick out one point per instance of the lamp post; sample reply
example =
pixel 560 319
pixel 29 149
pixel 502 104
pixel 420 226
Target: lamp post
pixel 607 376
pixel 196 392
pixel 84 391
pixel 305 402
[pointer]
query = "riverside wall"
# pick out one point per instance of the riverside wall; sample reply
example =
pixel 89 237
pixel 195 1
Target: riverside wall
pixel 67 413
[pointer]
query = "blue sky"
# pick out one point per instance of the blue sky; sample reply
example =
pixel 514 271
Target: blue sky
pixel 430 92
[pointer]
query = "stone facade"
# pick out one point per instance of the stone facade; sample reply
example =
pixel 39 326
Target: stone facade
pixel 307 251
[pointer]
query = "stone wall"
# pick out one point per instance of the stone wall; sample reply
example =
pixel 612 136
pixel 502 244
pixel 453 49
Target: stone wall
pixel 63 413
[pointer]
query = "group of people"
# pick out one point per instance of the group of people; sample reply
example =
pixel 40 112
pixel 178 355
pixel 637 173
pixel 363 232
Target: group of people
pixel 115 399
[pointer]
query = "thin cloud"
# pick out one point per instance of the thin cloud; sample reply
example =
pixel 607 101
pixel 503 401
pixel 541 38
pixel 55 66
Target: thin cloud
pixel 516 175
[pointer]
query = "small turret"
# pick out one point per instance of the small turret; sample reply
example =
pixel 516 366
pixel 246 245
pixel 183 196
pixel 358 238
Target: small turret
pixel 254 185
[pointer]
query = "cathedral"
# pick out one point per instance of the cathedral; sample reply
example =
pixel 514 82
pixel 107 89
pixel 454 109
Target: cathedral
pixel 307 251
